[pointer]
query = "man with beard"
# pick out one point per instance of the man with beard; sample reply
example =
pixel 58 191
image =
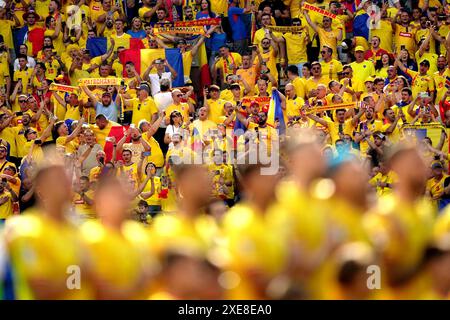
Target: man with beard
pixel 106 106
pixel 393 124
pixel 268 56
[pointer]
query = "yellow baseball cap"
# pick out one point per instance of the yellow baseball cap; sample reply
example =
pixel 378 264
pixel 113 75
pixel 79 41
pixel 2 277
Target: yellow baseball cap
pixel 359 48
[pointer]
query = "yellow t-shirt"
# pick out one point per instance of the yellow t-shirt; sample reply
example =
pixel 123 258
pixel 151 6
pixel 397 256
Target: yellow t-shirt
pixel 293 106
pixel 143 110
pixel 331 69
pixel 363 70
pixel 156 156
pixel 128 250
pixel 329 39
pixel 216 110
pixel 70 147
pixel 404 36
pixel 6 209
pixel 296 46
pixel 81 206
pixel 183 108
pixel 42 248
pixel 154 200
pixel 420 83
pixel 224 64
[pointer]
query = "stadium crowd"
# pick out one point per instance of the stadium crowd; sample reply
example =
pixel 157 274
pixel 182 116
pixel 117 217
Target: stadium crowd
pixel 285 149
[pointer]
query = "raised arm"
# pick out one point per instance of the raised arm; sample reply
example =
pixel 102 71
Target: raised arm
pixel 89 94
pixel 172 70
pixel 110 50
pixel 75 132
pixel 310 22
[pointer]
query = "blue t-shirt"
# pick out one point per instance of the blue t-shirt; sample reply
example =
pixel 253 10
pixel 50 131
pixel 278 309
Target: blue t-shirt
pixel 110 112
pixel 137 34
pixel 217 40
pixel 235 16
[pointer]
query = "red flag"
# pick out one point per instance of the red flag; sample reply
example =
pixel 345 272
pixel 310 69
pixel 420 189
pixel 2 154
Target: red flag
pixel 36 37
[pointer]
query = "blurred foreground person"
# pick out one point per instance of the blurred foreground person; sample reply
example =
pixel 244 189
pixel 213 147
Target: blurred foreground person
pixel 300 215
pixel 257 253
pixel 183 240
pixel 120 251
pixel 44 246
pixel 352 262
pixel 401 227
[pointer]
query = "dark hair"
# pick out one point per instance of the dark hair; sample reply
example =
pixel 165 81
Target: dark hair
pixel 408 90
pixel 42 65
pixel 347 272
pixel 173 114
pixel 149 164
pixel 48 20
pixel 293 69
pixel 55 133
pixel 265 14
pixel 85 178
pixel 22 56
pixel 210 13
pixel 379 63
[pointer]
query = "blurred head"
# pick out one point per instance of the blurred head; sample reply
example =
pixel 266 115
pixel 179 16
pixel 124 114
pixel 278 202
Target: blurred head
pixel 53 188
pixel 410 168
pixel 306 162
pixel 194 184
pixel 111 201
pixel 351 182
pixel 375 42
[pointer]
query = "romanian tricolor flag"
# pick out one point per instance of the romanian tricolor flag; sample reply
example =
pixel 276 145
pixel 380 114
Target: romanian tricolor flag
pixel 99 46
pixel 103 137
pixel 205 77
pixel 35 38
pixel 196 142
pixel 142 58
pixel 275 113
pixel 420 131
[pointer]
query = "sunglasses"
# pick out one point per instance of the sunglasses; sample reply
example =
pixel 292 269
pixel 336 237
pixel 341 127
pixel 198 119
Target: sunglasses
pixel 179 95
pixel 265 42
pixel 345 73
pixel 296 24
pixel 315 68
pixel 22 101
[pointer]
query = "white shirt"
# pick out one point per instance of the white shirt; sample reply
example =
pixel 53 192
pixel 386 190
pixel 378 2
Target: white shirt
pixel 155 81
pixel 171 130
pixel 162 101
pixel 30 64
